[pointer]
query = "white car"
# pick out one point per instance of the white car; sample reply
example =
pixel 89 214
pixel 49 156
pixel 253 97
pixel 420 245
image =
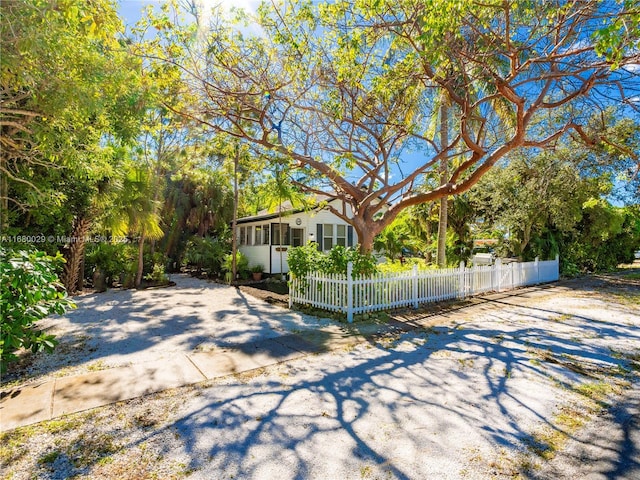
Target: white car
pixel 483 259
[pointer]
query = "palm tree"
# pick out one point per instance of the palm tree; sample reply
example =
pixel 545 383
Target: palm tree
pixel 137 212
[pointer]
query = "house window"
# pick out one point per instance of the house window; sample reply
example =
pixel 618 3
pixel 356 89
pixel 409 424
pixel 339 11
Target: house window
pixel 262 235
pixel 330 235
pixel 276 230
pixel 245 235
pixel 341 235
pixel 327 240
pixel 297 237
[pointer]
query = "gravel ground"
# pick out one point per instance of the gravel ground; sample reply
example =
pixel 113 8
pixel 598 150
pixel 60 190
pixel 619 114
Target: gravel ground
pixel 509 387
pixel 125 327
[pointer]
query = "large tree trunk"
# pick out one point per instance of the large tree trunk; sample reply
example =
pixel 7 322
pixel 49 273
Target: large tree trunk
pixel 140 261
pixel 75 255
pixel 442 222
pixel 526 238
pixel 80 284
pixel 366 237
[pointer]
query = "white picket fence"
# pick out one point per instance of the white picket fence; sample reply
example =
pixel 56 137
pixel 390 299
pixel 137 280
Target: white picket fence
pixel 359 294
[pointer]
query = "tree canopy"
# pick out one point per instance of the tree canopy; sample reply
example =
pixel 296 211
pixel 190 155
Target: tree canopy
pixel 66 87
pixel 349 90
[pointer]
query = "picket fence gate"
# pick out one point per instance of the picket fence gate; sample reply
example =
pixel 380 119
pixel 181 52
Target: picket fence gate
pixel 383 291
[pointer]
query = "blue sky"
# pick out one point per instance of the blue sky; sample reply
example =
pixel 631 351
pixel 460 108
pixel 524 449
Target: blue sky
pixel 130 9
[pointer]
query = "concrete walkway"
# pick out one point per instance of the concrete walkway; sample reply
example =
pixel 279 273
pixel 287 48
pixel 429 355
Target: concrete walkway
pixel 32 403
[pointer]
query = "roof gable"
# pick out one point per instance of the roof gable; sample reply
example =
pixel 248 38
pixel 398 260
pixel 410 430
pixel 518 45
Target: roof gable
pixel 284 209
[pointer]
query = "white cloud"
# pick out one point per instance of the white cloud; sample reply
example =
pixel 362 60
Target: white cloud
pixel 227 6
pixel 632 68
pixel 206 7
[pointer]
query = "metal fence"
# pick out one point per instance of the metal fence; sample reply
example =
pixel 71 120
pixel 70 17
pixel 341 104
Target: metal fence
pixel 383 291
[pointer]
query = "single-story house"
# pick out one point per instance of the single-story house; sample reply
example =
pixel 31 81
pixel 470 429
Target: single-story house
pixel 261 238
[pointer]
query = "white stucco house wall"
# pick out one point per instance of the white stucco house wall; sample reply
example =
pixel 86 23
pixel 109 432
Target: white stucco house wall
pixel 259 235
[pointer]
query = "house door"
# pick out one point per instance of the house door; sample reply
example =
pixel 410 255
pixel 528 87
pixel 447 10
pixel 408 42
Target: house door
pixel 297 237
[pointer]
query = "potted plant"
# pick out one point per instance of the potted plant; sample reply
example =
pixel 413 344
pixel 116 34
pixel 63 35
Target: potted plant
pixel 256 272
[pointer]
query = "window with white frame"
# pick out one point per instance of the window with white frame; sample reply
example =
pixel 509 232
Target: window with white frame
pixel 327 236
pixel 330 235
pixel 341 235
pixel 261 235
pixel 245 236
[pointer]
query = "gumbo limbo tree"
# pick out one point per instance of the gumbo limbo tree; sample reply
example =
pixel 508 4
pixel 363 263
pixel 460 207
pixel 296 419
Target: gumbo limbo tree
pixel 350 92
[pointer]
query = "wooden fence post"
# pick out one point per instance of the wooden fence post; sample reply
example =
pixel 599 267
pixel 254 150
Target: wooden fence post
pixel 461 282
pixel 536 264
pixel 498 272
pixel 350 292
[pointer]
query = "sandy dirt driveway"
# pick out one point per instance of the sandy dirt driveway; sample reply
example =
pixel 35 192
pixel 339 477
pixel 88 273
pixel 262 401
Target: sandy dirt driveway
pixel 505 386
pixel 125 327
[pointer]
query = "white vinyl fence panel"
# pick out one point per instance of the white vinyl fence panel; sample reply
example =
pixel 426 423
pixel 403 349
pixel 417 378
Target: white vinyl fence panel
pixel 383 291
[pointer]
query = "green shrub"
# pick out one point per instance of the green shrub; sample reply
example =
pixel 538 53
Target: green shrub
pixel 152 260
pixel 242 265
pixel 569 269
pixel 339 256
pixel 396 266
pixel 30 291
pixel 114 260
pixel 206 253
pixel 305 259
pixel 157 274
pixel 606 236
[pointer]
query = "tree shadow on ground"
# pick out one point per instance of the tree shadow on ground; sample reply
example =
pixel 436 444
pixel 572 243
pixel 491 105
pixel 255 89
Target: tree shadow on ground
pixel 121 327
pixel 430 392
pixel 403 405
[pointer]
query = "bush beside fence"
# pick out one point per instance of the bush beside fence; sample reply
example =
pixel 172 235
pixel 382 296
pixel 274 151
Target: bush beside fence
pixel 353 294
